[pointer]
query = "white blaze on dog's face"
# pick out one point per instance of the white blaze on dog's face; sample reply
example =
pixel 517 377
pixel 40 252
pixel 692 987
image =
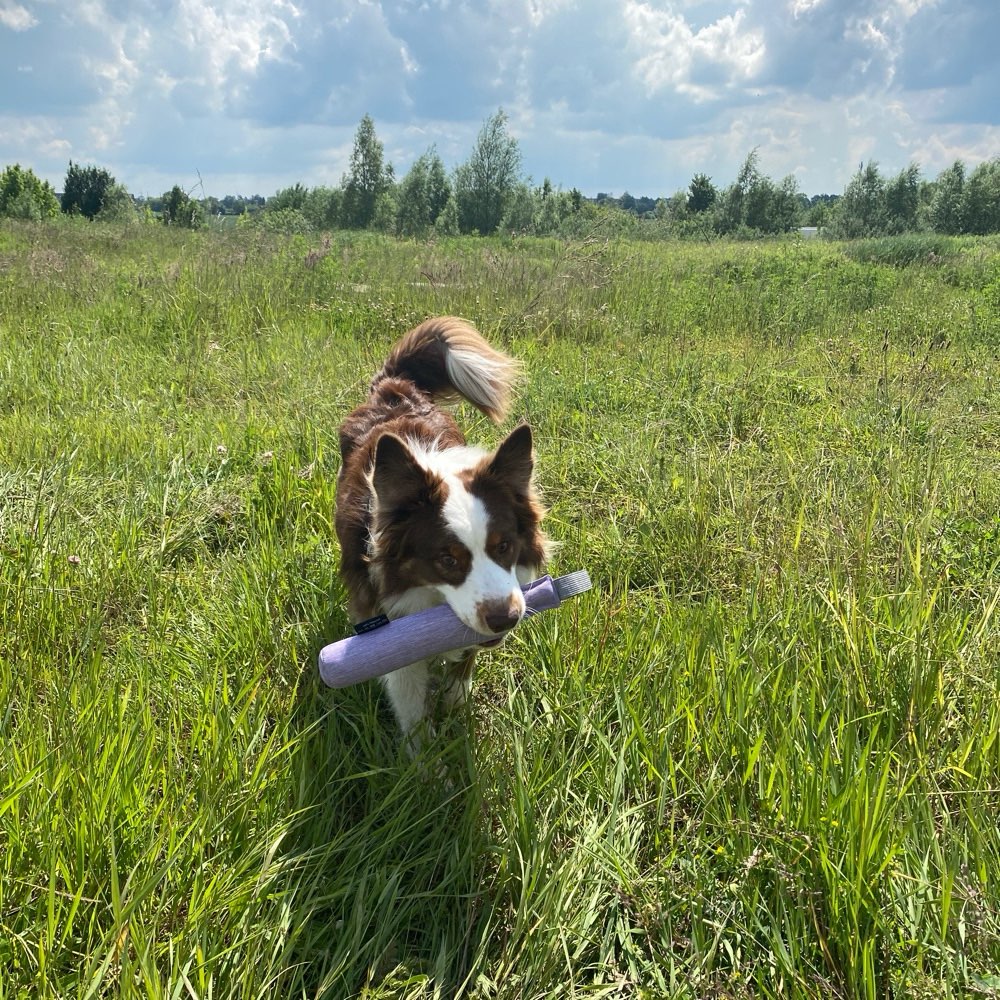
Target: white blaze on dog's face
pixel 489 599
pixel 457 525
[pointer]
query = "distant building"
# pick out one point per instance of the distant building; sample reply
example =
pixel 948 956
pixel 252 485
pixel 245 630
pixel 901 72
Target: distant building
pixel 808 232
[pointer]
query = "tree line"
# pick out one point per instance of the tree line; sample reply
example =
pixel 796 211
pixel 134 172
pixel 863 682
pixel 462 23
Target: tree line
pixel 488 193
pixel 485 194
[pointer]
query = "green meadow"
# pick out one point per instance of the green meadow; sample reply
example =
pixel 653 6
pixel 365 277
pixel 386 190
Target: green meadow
pixel 760 759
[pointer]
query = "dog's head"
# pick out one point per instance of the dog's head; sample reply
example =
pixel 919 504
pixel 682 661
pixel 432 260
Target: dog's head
pixel 458 526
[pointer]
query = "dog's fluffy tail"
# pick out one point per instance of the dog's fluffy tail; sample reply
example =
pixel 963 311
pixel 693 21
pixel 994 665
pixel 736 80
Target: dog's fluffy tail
pixel 448 358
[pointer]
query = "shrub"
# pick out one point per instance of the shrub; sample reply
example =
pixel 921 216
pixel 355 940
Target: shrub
pixel 118 206
pixel 179 209
pixel 287 221
pixel 25 196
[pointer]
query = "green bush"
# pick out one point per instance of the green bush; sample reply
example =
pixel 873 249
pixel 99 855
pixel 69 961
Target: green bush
pixel 286 221
pixel 25 196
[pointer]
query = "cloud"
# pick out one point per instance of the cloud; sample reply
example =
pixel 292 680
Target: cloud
pixel 672 55
pixel 224 46
pixel 602 94
pixel 26 133
pixel 16 17
pixel 341 64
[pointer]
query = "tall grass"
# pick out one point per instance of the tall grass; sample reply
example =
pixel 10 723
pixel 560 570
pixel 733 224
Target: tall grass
pixel 761 758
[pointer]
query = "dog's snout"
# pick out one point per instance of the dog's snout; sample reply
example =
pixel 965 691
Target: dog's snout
pixel 501 616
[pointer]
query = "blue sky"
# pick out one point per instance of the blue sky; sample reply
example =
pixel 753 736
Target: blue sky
pixel 603 95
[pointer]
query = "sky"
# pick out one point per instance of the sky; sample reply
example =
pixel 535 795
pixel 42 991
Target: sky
pixel 250 96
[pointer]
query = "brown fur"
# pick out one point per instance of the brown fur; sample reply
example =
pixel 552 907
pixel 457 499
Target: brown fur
pixel 403 404
pixel 407 541
pixel 504 485
pixel 420 357
pixel 401 409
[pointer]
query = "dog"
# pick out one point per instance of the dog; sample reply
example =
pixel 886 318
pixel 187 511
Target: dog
pixel 424 519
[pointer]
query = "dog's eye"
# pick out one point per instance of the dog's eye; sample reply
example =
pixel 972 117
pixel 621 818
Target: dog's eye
pixel 502 547
pixel 447 560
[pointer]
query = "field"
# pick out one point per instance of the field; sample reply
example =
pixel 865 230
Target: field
pixel 761 758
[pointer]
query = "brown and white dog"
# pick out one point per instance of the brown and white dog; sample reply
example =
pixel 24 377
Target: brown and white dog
pixel 423 519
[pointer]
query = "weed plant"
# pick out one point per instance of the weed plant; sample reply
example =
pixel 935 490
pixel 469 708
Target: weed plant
pixel 760 759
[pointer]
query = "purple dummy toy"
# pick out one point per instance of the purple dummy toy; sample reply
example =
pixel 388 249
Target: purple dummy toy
pixel 382 646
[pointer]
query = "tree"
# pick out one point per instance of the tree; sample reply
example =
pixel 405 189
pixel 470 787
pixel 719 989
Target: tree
pixel 673 209
pixel 732 209
pixel 523 205
pixel 786 206
pixel 446 224
pixel 701 194
pixel 554 207
pixel 758 203
pixel 486 181
pixel 902 199
pixel 366 179
pixel 179 209
pixel 981 199
pixel 438 185
pixel 754 203
pixel 818 210
pixel 85 190
pixel 25 196
pixel 289 197
pixel 384 219
pixel 947 208
pixel 862 209
pixel 422 195
pixel 117 206
pixel 322 207
pixel 538 211
pixel 413 215
pixel 238 205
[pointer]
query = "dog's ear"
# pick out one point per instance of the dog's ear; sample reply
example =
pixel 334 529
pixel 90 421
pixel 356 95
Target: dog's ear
pixel 398 479
pixel 514 460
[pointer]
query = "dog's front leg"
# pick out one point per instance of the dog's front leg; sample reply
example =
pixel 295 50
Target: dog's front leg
pixel 407 689
pixel 458 680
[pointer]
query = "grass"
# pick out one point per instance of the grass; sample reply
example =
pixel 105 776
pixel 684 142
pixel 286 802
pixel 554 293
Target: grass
pixel 760 759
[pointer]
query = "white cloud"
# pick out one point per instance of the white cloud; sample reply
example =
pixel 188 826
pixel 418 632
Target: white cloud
pixel 801 7
pixel 672 55
pixel 16 17
pixel 729 43
pixel 229 40
pixel 942 148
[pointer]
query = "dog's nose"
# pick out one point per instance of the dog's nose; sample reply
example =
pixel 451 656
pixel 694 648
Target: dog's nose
pixel 501 617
